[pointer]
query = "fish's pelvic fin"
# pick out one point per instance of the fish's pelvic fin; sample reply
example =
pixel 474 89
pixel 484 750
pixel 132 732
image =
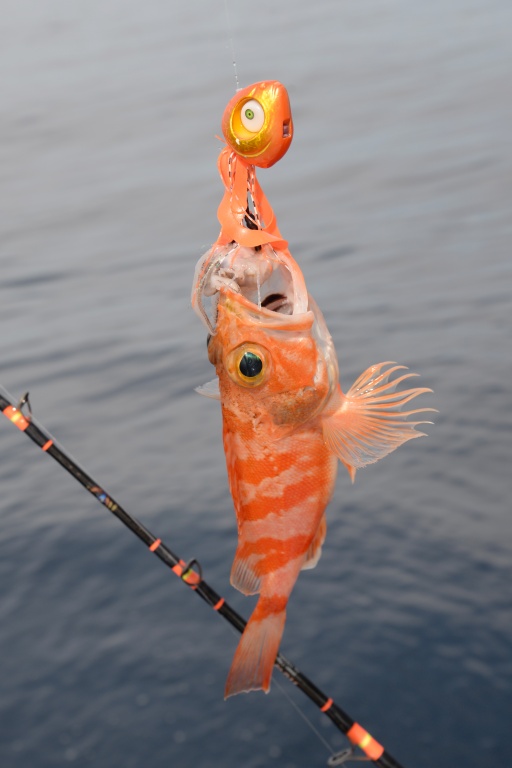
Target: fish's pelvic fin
pixel 368 423
pixel 210 389
pixel 256 653
pixel 243 577
pixel 315 548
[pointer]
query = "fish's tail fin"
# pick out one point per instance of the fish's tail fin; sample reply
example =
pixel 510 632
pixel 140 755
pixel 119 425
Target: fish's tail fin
pixel 254 658
pixel 368 422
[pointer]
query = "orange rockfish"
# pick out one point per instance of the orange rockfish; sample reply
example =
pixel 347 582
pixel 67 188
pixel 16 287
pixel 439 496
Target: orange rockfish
pixel 286 423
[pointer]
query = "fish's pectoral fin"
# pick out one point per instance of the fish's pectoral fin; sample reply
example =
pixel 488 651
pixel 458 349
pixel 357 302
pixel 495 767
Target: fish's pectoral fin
pixel 368 422
pixel 256 653
pixel 210 389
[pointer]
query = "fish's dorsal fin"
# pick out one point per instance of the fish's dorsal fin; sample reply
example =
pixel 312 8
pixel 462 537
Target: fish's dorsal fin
pixel 210 389
pixel 367 423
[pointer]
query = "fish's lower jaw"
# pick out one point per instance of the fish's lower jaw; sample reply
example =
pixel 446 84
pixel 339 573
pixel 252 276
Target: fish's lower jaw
pixel 255 655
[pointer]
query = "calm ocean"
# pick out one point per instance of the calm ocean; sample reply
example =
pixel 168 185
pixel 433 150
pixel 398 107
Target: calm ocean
pixel 396 201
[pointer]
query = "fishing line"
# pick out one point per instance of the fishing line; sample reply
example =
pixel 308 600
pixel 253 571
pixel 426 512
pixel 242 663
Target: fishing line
pixel 232 44
pixel 191 574
pixel 304 717
pixel 302 714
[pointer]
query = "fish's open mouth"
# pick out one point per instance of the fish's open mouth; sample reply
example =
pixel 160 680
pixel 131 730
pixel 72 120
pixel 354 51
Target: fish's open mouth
pixel 278 302
pixel 267 278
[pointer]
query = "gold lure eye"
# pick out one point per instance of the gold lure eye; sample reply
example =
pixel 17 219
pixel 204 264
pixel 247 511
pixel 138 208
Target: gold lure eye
pixel 247 365
pixel 252 116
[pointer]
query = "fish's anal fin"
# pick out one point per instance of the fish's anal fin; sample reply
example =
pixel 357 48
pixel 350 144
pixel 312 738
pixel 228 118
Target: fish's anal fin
pixel 368 422
pixel 210 389
pixel 315 548
pixel 254 659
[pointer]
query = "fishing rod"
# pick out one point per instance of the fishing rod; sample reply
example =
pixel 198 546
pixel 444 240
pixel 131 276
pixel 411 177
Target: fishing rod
pixel 190 573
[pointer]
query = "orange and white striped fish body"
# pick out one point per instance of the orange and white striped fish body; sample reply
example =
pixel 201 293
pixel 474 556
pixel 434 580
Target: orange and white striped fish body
pixel 285 424
pixel 281 473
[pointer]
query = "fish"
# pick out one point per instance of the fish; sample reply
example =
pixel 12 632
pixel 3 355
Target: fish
pixel 287 424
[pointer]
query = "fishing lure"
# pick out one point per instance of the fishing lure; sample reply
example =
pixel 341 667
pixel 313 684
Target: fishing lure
pixel 286 421
pixel 250 251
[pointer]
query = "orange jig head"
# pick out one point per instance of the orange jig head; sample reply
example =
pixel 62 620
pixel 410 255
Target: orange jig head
pixel 257 123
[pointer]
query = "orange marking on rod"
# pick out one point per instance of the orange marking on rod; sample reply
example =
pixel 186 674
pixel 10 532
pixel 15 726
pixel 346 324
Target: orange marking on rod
pixel 219 604
pixel 328 704
pixel 47 445
pixel 16 417
pixel 155 545
pixel 191 578
pixel 178 568
pixel 365 741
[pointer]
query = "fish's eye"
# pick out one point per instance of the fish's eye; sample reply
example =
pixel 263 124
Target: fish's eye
pixel 252 116
pixel 250 365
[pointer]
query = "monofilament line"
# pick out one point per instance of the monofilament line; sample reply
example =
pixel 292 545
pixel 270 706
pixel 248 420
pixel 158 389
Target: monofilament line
pixel 232 44
pixel 304 717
